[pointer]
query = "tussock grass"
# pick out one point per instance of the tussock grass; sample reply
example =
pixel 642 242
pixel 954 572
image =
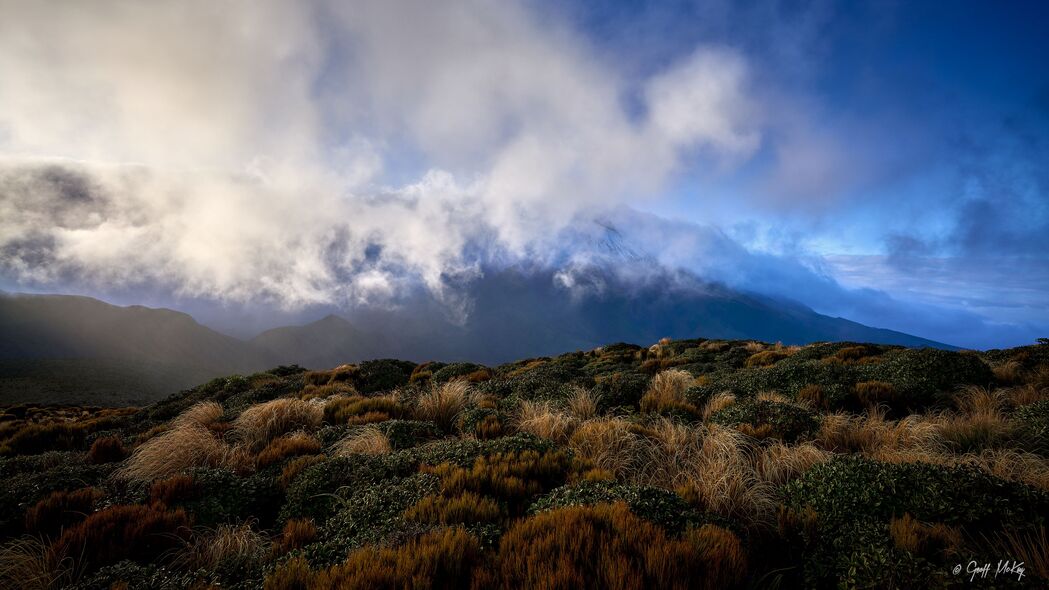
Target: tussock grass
pixel 230 546
pixel 60 510
pixel 545 421
pixel 367 441
pixel 443 403
pixel 667 392
pixel 261 423
pixel 188 444
pixel 935 540
pixel 29 564
pixel 1029 546
pixel 717 402
pixel 297 533
pixel 199 414
pixel 608 444
pixel 583 404
pixel 779 463
pixel 289 445
pixel 465 508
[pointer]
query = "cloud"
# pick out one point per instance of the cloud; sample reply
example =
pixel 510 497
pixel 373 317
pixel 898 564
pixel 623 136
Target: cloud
pixel 307 153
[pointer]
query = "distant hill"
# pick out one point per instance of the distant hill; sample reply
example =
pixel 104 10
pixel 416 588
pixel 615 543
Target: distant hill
pixel 58 348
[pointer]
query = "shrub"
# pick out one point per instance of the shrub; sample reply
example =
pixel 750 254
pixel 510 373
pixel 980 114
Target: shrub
pixel 297 534
pixel 441 559
pixel 174 490
pixel 442 404
pixel 656 505
pixel 107 449
pixel 259 424
pixel 1033 422
pixel 139 533
pixel 382 375
pixel 767 418
pixel 295 467
pixel 60 510
pixel 404 434
pixel 310 495
pixel 606 546
pixel 295 444
pixel 482 423
pixel 457 370
pixel 464 508
pixel 621 389
pixel 223 498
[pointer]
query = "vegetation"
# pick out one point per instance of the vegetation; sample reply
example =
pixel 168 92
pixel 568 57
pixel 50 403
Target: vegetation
pixel 688 464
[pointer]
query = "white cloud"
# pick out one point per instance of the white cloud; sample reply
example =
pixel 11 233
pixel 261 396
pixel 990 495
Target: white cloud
pixel 324 152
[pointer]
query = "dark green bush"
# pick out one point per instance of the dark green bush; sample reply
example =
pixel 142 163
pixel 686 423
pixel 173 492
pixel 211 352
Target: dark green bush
pixel 221 497
pixel 454 370
pixel 463 452
pixel 621 389
pixel 382 375
pixel 1033 423
pixel 404 434
pixel 312 495
pixel 660 506
pixel 784 421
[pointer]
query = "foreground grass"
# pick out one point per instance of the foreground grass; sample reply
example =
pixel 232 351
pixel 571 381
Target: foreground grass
pixel 689 464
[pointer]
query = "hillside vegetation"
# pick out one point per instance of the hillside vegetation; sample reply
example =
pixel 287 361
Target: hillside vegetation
pixel 688 464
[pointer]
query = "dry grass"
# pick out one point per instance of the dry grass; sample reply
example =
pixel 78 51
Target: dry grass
pixel 443 403
pixel 766 358
pixel 59 510
pixel 289 445
pixel 1009 372
pixel 29 564
pixel 173 490
pixel 363 410
pixel 236 547
pixel 871 433
pixel 201 414
pixel 769 395
pixel 874 393
pixel 606 546
pixel 980 402
pixel 718 401
pixel 608 444
pixel 667 392
pixel 261 423
pixel 136 532
pixel 326 391
pixel 514 478
pixel 297 534
pixel 1025 395
pixel 545 421
pixel 295 467
pixel 583 403
pixel 779 463
pixel 465 508
pixel 812 396
pixel 107 449
pixel 367 441
pixel 927 540
pixel 186 445
pixel 1031 547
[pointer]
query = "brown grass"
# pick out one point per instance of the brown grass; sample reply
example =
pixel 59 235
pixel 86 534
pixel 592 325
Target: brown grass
pixel 443 403
pixel 812 396
pixel 29 564
pixel 514 478
pixel 544 421
pixel 718 401
pixel 465 508
pixel 140 533
pixel 441 559
pixel 290 445
pixel 175 489
pixel 326 391
pixel 1009 372
pixel 667 392
pixel 363 410
pixel 606 546
pixel 779 463
pixel 927 540
pixel 107 449
pixel 608 444
pixel 1030 546
pixel 1025 395
pixel 186 445
pixel 297 534
pixel 60 510
pixel 261 423
pixel 871 433
pixel 199 414
pixel 874 393
pixel 367 441
pixel 294 574
pixel 232 547
pixel 583 403
pixel 766 358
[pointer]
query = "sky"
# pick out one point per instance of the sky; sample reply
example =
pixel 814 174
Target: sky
pixel 886 162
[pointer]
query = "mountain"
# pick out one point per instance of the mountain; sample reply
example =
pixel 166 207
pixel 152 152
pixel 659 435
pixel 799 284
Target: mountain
pixel 79 347
pixel 69 348
pixel 327 342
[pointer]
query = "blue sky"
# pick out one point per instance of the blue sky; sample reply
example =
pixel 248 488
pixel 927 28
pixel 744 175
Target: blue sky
pixel 882 161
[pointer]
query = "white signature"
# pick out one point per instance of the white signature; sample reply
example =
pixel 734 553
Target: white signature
pixel 1006 567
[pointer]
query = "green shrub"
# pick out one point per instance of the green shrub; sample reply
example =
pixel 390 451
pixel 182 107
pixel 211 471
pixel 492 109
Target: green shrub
pixel 623 389
pixel 768 418
pixel 221 497
pixel 657 505
pixel 312 494
pixel 404 434
pixel 382 375
pixel 455 370
pixel 1033 423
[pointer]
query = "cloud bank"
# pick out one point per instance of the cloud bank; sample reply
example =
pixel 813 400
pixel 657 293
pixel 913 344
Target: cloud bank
pixel 305 153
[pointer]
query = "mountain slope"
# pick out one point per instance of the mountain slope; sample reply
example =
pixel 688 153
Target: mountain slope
pixel 327 342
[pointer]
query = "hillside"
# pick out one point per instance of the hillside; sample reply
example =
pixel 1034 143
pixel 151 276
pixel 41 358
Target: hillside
pixel 690 463
pixel 80 350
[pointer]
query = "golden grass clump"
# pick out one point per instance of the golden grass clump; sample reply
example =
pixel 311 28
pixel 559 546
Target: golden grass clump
pixel 465 508
pixel 363 410
pixel 439 559
pixel 513 478
pixel 927 540
pixel 583 404
pixel 297 533
pixel 172 490
pixel 443 403
pixel 667 392
pixel 779 463
pixel 369 440
pixel 871 433
pixel 200 414
pixel 873 393
pixel 717 402
pixel 1009 373
pixel 607 443
pixel 766 358
pixel 545 421
pixel 326 391
pixel 232 546
pixel 186 445
pixel 29 564
pixel 606 546
pixel 294 574
pixel 289 445
pixel 812 396
pixel 1025 395
pixel 261 423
